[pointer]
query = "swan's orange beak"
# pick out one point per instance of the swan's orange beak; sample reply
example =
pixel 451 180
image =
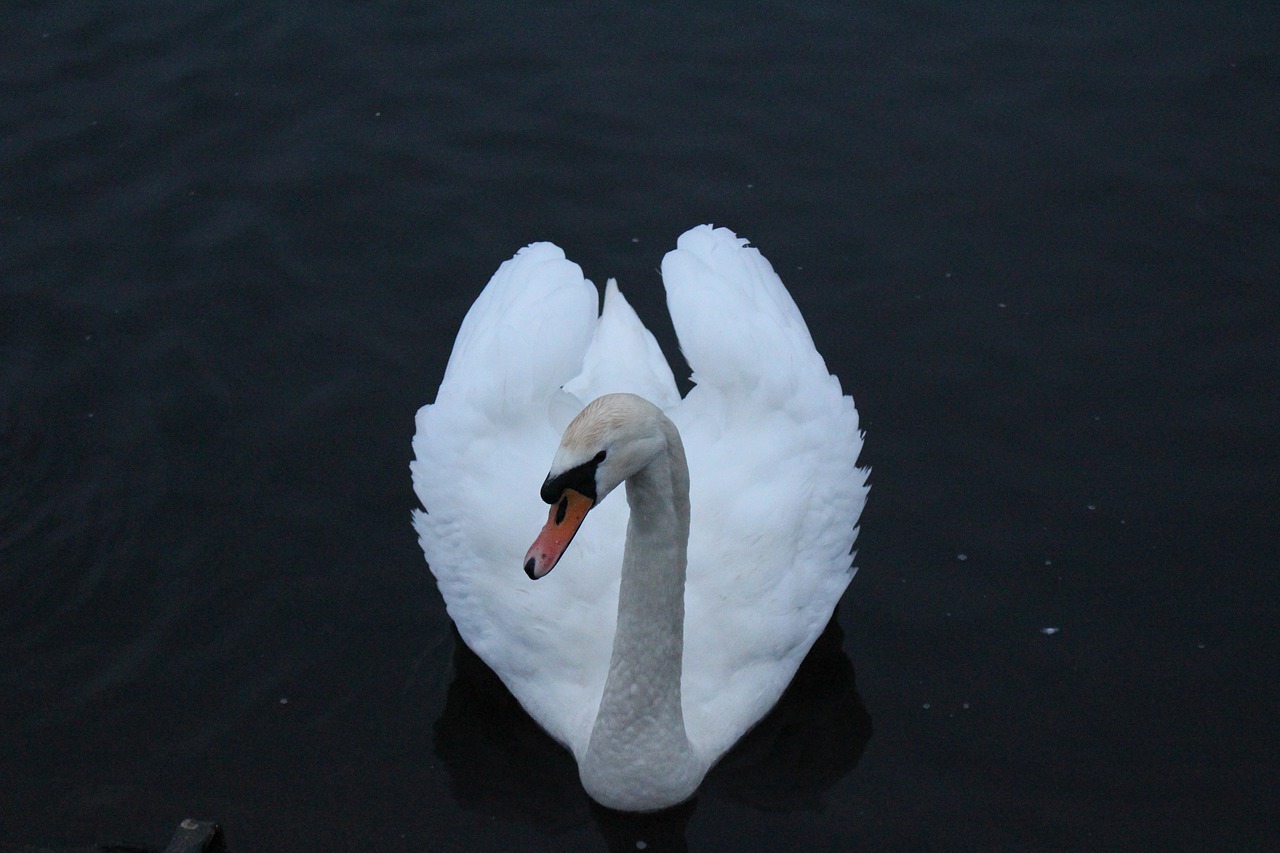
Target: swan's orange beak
pixel 562 523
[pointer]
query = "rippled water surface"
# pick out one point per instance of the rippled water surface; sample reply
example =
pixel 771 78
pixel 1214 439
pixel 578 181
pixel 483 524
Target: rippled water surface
pixel 1038 242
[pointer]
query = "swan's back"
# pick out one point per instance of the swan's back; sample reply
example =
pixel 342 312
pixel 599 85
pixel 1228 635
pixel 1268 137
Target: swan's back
pixel 772 446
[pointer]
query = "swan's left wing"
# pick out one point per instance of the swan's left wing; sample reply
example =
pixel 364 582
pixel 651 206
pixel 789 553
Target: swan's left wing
pixel 772 444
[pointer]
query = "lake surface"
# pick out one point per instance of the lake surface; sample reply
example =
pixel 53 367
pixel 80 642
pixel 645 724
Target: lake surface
pixel 1038 243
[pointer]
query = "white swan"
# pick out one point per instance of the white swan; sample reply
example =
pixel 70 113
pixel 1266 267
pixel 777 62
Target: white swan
pixel 646 670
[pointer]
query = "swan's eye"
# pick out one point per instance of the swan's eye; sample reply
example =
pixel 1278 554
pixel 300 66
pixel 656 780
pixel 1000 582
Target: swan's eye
pixel 599 457
pixel 560 510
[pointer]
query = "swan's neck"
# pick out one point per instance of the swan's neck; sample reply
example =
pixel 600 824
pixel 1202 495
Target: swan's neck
pixel 639 755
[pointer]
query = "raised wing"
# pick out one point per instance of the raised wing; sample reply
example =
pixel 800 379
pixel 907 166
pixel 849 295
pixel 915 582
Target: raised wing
pixel 772 444
pixel 481 452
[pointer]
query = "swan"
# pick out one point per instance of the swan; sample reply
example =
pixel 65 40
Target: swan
pixel 675 622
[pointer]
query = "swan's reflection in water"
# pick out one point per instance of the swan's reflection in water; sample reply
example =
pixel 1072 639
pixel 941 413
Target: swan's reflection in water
pixel 501 761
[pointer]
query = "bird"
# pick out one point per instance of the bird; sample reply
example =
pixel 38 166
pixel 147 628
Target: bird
pixel 675 618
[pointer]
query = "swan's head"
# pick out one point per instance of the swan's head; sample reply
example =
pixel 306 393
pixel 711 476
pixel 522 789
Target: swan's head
pixel 612 438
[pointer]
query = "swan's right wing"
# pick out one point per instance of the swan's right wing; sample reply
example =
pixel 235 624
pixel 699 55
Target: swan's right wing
pixel 772 444
pixel 481 451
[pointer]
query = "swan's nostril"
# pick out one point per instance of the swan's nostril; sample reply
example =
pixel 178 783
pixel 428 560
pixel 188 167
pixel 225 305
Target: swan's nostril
pixel 560 510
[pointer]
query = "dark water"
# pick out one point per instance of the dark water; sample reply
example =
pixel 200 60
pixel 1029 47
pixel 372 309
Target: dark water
pixel 1038 242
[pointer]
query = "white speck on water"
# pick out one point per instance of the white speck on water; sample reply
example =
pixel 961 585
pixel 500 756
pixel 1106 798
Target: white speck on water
pixel 284 700
pixel 640 845
pixel 751 186
pixel 925 706
pixel 1001 305
pixel 636 240
pixel 1048 562
pixel 965 706
pixel 962 557
pixel 1091 507
pixel 1049 631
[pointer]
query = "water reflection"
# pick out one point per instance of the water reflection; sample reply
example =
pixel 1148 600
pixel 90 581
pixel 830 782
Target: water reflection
pixel 500 761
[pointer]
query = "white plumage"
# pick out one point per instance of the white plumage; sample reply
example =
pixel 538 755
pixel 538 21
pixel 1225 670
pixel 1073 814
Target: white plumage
pixel 775 491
